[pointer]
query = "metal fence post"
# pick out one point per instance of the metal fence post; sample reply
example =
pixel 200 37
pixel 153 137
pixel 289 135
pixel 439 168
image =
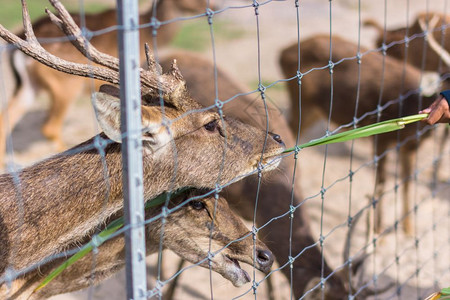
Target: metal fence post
pixel 128 21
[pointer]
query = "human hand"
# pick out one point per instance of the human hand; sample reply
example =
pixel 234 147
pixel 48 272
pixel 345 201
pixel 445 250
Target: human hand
pixel 438 112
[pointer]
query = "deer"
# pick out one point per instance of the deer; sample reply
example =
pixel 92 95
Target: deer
pixel 82 187
pixel 373 92
pixel 196 219
pixel 276 190
pixel 437 58
pixel 395 40
pixel 64 89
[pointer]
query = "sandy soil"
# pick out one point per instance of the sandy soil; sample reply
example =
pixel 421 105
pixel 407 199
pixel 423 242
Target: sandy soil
pixel 277 29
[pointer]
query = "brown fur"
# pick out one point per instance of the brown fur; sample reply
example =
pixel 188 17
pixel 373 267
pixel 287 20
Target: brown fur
pixel 276 191
pixel 58 201
pixel 64 89
pixel 415 58
pixel 187 232
pixel 316 96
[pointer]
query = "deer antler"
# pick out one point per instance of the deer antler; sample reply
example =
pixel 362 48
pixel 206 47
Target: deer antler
pixel 431 39
pixel 151 82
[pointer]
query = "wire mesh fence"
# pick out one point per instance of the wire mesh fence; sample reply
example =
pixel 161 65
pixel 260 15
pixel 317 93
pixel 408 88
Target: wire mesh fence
pixel 297 69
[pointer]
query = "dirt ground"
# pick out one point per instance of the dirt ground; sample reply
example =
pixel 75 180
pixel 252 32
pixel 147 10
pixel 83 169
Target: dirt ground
pixel 277 23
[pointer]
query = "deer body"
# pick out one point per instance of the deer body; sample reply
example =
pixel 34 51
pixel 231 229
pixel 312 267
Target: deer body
pixel 64 89
pixel 187 232
pixel 276 191
pixel 316 90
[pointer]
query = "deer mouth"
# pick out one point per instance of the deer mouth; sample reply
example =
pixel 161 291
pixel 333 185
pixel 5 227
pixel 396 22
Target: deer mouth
pixel 269 162
pixel 234 273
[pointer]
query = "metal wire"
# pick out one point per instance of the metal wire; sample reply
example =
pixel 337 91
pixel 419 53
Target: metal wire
pixel 381 266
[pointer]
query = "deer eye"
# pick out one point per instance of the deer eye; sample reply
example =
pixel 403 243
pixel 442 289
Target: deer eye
pixel 197 205
pixel 211 126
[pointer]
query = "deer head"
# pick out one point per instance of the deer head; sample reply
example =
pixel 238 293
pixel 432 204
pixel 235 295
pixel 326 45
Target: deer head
pixel 194 227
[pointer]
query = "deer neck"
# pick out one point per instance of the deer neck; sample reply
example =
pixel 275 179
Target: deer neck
pixel 79 189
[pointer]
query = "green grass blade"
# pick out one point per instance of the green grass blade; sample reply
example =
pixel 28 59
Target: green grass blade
pixel 103 236
pixel 98 240
pixel 445 291
pixel 369 130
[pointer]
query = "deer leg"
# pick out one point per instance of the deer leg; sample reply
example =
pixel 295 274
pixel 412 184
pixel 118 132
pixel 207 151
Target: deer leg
pixel 62 92
pixel 379 186
pixel 407 158
pixel 17 107
pixel 443 140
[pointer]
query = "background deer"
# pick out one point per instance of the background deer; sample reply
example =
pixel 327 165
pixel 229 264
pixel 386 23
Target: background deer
pixel 64 89
pixel 316 89
pixel 188 231
pixel 396 37
pixel 82 187
pixel 276 191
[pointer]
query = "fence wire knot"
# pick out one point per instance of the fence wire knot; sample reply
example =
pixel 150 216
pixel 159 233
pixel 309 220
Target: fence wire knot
pixel 100 143
pixel 321 239
pixel 322 191
pixel 210 257
pixel 88 34
pixel 164 212
pixel 254 286
pixel 291 261
pixel 254 232
pixel 375 278
pixel 331 66
pixel 350 175
pixel 296 151
pixel 157 290
pixel 349 221
pixel 209 13
pixel 407 39
pixel 218 104
pixel 299 77
pixel 322 283
pixel 256 6
pixel 10 275
pixel 218 188
pixel 155 23
pixel 379 110
pixel 358 58
pixel 261 88
pixel 96 242
pixel 291 211
pixel 260 168
pixel 376 158
pixel 384 49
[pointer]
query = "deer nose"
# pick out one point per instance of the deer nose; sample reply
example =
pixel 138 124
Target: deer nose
pixel 265 259
pixel 277 138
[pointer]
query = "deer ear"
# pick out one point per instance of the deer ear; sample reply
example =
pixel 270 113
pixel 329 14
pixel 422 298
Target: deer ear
pixel 153 130
pixel 107 111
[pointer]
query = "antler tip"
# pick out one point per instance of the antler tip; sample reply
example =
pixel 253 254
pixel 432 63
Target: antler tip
pixel 175 71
